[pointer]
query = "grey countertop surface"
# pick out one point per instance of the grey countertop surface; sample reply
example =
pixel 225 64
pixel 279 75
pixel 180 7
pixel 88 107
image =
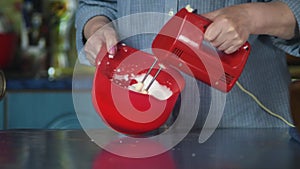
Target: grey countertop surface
pixel 227 148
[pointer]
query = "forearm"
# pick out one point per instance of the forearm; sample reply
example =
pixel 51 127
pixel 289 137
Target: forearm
pixel 273 18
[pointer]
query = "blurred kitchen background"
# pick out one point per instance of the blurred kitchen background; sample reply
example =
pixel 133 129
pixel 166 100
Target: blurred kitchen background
pixel 37 56
pixel 37 38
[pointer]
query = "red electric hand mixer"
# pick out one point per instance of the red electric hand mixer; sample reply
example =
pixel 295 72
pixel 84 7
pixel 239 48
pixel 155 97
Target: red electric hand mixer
pixel 178 46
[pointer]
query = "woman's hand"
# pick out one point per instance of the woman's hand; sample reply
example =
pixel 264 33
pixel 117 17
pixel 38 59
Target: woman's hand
pixel 229 29
pixel 231 26
pixel 99 32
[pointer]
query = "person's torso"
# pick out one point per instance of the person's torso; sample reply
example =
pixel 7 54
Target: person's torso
pixel 265 73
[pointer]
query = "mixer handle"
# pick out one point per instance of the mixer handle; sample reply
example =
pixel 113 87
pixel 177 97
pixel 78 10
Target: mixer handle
pixel 198 20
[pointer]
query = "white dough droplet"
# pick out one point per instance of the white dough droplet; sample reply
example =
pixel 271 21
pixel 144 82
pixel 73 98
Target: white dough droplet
pixel 138 86
pixel 110 56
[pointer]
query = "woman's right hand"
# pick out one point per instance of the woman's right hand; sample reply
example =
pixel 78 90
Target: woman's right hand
pixel 98 31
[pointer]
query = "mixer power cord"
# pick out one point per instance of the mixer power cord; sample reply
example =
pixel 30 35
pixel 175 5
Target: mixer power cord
pixel 263 106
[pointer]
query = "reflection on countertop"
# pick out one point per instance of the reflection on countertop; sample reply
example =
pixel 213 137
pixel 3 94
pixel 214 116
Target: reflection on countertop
pixel 73 149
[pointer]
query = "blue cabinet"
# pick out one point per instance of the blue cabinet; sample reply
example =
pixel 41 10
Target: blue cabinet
pixel 40 110
pixel 44 104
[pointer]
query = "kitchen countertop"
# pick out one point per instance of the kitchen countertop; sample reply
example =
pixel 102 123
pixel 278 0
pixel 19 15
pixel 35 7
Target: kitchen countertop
pixel 227 148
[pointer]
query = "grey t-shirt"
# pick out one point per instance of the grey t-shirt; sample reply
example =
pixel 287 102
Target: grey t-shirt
pixel 265 74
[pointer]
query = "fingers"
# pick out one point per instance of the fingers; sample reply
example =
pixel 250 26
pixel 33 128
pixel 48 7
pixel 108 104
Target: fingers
pixel 225 36
pixel 104 37
pixel 111 42
pixel 92 48
pixel 212 32
pixel 228 31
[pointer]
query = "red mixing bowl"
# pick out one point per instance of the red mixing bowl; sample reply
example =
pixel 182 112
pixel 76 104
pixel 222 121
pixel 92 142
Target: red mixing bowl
pixel 127 111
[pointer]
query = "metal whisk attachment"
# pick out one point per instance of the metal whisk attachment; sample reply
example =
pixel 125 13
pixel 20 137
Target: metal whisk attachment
pixel 140 85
